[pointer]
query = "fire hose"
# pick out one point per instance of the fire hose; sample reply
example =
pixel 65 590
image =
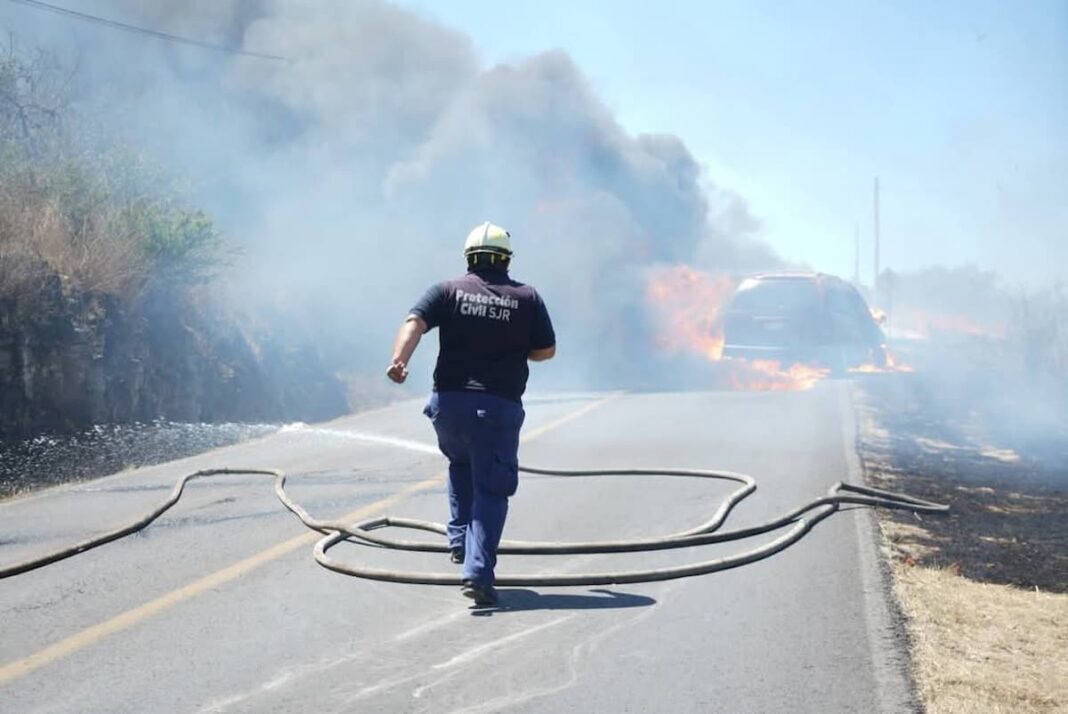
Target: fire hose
pixel 800 521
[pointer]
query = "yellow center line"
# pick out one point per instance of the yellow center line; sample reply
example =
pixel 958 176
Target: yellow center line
pixel 91 635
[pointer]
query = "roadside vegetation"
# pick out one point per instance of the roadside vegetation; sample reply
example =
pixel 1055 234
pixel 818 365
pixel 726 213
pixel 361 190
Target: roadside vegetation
pixel 982 424
pixel 983 647
pixel 109 311
pixel 76 206
pixel 984 589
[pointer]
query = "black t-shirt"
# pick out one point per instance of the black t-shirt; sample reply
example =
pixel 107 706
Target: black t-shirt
pixel 488 324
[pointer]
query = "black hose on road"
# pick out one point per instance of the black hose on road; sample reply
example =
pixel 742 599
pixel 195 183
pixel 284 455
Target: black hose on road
pixel 801 520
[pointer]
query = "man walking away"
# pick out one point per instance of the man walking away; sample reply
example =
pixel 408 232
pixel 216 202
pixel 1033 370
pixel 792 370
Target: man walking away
pixel 489 326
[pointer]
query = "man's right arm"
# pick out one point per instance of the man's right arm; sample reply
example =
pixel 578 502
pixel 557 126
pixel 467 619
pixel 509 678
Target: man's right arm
pixel 425 315
pixel 542 354
pixel 542 337
pixel 404 346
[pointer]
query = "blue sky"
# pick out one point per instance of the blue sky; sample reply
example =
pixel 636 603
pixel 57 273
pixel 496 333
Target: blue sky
pixel 961 109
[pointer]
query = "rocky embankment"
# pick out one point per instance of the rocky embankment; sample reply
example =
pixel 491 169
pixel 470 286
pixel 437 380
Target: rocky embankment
pixel 70 358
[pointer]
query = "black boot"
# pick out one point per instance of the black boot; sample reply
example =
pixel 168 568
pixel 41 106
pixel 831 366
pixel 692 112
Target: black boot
pixel 481 594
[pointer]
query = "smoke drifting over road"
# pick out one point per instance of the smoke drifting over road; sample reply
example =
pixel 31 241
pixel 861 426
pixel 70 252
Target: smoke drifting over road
pixel 350 173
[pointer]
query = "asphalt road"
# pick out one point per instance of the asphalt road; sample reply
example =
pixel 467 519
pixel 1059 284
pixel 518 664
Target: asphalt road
pixel 220 607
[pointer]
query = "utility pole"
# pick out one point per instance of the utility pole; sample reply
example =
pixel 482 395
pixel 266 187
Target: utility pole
pixel 875 281
pixel 856 254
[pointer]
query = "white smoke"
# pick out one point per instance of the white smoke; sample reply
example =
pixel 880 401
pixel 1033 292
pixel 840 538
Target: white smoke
pixel 350 173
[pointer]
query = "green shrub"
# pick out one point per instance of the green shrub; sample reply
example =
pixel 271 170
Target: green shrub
pixel 180 244
pixel 101 216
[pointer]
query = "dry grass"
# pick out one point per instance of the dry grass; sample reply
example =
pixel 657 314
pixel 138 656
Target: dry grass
pixel 981 647
pixel 38 239
pixel 78 206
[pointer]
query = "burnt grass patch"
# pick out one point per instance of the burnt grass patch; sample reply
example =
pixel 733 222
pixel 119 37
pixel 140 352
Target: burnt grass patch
pixel 1008 495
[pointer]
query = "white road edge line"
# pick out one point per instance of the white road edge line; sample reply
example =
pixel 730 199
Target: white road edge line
pixel 889 663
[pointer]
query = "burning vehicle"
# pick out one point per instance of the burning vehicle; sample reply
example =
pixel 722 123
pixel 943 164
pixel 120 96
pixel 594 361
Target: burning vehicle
pixel 802 318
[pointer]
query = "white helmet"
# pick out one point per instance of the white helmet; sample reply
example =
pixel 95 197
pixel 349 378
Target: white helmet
pixel 488 238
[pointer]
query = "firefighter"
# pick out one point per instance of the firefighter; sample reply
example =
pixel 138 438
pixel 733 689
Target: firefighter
pixel 489 326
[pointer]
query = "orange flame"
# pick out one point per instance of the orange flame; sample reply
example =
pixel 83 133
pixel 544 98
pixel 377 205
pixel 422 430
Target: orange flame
pixel 689 305
pixel 891 365
pixel 770 376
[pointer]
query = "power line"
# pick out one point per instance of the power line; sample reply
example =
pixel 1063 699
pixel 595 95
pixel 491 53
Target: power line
pixel 47 7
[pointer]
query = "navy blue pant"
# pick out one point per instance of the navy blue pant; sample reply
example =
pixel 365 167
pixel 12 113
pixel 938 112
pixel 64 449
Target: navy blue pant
pixel 479 435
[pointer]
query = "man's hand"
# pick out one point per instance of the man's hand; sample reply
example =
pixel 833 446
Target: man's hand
pixel 403 347
pixel 398 372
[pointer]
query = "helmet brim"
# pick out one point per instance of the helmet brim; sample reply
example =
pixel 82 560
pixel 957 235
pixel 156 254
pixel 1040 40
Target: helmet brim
pixel 487 249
